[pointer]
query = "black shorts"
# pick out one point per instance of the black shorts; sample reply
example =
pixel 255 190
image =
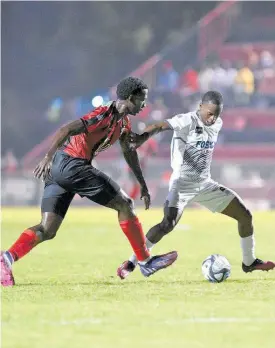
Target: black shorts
pixel 71 175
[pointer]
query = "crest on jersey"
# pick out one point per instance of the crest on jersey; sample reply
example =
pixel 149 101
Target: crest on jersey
pixel 199 130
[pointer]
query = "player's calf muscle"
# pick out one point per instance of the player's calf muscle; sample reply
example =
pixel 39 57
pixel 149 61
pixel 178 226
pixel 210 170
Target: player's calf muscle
pixel 245 224
pixel 167 225
pixel 157 232
pixel 246 217
pixel 48 226
pixel 238 211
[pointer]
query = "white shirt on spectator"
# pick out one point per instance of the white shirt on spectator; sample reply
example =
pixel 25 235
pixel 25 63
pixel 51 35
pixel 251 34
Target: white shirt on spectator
pixel 219 78
pixel 231 75
pixel 205 79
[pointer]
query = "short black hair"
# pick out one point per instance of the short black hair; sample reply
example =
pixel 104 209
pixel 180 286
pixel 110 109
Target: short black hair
pixel 129 85
pixel 212 97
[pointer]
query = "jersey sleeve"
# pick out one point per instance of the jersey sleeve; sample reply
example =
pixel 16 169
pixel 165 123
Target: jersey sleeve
pixel 180 122
pixel 93 119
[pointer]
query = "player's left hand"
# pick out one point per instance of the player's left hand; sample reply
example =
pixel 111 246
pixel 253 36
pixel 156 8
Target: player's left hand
pixel 145 196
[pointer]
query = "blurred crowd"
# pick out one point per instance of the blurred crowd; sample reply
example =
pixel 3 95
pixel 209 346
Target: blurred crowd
pixel 69 88
pixel 242 83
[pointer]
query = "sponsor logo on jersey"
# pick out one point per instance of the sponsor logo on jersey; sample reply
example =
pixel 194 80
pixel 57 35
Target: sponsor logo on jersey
pixel 205 144
pixel 100 117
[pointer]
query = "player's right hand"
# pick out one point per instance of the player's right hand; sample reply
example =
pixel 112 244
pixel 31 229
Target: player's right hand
pixel 43 168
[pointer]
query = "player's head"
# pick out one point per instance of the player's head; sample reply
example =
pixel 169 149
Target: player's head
pixel 134 92
pixel 211 107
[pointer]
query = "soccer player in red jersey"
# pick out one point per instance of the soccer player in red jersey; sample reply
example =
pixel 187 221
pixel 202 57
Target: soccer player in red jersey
pixel 67 170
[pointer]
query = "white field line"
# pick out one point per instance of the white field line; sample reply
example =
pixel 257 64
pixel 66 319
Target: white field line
pixel 211 320
pixel 75 322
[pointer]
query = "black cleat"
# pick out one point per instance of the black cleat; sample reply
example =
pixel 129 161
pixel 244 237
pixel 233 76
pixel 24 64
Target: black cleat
pixel 157 263
pixel 258 265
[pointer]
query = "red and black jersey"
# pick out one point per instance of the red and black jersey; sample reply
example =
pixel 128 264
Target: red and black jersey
pixel 103 129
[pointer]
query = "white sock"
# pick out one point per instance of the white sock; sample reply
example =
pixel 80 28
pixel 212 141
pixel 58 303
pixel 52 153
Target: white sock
pixel 248 249
pixel 149 245
pixel 144 261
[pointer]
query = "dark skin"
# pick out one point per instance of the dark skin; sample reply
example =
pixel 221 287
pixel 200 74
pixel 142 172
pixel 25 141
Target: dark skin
pixel 50 222
pixel 208 113
pixel 131 157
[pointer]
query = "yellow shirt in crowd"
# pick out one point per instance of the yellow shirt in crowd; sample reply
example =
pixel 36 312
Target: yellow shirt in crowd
pixel 245 77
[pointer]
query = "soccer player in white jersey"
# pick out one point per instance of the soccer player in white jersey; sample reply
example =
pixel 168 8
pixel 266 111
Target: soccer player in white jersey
pixel 193 142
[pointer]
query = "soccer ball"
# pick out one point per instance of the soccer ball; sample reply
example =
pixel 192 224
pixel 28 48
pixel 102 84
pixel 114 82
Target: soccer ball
pixel 216 268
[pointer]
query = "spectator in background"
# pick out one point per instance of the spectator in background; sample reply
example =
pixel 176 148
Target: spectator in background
pixel 167 85
pixel 265 81
pixel 205 79
pixel 231 73
pixel 159 110
pixel 252 57
pixel 219 80
pixel 168 78
pixel 254 64
pixel 244 84
pixel 188 83
pixel 266 60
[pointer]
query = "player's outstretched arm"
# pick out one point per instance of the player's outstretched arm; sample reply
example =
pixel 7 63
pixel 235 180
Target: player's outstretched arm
pixel 156 128
pixel 136 140
pixel 63 133
pixel 131 157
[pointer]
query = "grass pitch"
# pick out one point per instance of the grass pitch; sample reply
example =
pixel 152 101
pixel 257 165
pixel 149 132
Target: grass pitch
pixel 68 296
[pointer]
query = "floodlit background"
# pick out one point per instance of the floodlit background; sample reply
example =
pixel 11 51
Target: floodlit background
pixel 59 59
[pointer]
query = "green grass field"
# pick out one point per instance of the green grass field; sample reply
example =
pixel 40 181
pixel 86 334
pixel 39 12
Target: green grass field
pixel 68 296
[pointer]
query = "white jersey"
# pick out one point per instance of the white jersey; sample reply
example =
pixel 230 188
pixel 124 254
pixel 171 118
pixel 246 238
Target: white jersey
pixel 192 147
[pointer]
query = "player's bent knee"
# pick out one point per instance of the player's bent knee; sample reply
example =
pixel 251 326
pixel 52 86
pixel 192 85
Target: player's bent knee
pixel 122 203
pixel 128 204
pixel 48 232
pixel 50 235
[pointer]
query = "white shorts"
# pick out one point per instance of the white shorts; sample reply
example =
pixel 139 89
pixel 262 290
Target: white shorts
pixel 210 194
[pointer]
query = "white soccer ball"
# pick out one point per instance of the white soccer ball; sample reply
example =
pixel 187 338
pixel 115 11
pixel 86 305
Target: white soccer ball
pixel 216 268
